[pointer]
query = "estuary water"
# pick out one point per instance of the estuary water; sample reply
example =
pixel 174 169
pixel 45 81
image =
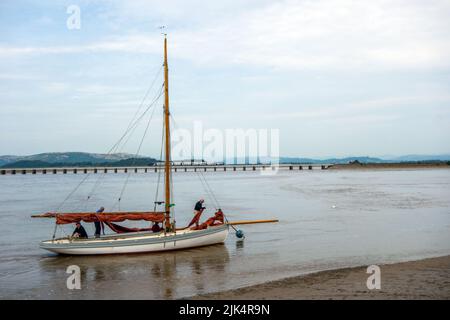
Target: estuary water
pixel 328 219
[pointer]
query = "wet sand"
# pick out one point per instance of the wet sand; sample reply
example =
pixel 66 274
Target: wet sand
pixel 423 279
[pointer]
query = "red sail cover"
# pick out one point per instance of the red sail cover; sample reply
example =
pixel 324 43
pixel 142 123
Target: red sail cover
pixel 213 221
pixel 121 229
pixel 66 218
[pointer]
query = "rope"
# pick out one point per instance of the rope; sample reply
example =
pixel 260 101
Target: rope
pixel 137 152
pixel 70 194
pixel 159 172
pixel 210 190
pixel 115 146
pixel 145 96
pixel 205 184
pixel 158 95
pixel 207 191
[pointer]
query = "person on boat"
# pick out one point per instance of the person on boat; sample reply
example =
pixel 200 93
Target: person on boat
pixel 79 231
pixel 199 205
pixel 198 209
pixel 156 227
pixel 98 226
pixel 218 219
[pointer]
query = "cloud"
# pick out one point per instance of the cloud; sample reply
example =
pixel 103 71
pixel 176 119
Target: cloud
pixel 370 110
pixel 298 35
pixel 134 44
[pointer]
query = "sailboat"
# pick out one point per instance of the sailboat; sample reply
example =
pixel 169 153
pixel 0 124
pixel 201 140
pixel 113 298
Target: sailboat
pixel 137 240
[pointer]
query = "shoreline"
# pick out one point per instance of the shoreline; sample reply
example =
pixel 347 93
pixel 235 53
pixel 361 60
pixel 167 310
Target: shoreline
pixel 384 166
pixel 421 279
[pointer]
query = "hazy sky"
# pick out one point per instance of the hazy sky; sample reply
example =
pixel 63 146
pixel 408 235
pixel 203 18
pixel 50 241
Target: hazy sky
pixel 336 77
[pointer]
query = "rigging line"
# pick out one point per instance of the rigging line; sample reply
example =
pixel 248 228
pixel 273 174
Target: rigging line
pixel 160 160
pixel 137 152
pixel 140 107
pixel 208 195
pixel 171 187
pixel 172 197
pixel 109 152
pixel 205 184
pixel 157 96
pixel 116 145
pixel 71 193
pixel 208 192
pixel 210 189
pixel 145 96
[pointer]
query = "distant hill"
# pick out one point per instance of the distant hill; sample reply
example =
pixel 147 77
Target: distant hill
pixel 360 159
pixel 417 157
pixel 308 160
pixel 67 157
pixel 79 159
pixel 332 160
pixel 73 159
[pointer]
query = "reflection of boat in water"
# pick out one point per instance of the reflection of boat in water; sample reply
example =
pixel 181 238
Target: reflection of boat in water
pixel 210 256
pixel 164 275
pixel 135 240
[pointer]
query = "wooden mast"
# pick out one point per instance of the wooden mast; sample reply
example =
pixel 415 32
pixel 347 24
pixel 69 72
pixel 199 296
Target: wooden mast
pixel 167 139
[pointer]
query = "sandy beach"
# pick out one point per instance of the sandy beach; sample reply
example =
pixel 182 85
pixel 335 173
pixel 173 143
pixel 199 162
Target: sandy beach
pixel 423 279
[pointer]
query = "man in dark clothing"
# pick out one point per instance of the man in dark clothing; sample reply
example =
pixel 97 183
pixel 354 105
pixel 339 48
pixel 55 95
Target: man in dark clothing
pixel 97 224
pixel 199 205
pixel 79 231
pixel 156 227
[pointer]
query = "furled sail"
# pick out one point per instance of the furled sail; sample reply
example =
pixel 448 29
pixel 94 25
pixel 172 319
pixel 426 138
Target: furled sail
pixel 66 218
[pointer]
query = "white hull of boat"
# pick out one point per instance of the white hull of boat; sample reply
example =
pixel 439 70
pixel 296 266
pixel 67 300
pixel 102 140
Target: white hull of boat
pixel 137 243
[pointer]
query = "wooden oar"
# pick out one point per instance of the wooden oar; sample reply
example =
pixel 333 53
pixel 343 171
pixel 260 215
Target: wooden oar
pixel 251 221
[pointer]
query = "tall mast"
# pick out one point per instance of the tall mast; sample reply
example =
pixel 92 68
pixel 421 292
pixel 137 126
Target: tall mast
pixel 167 136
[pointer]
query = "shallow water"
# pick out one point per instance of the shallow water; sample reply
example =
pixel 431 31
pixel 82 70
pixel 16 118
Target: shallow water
pixel 328 219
